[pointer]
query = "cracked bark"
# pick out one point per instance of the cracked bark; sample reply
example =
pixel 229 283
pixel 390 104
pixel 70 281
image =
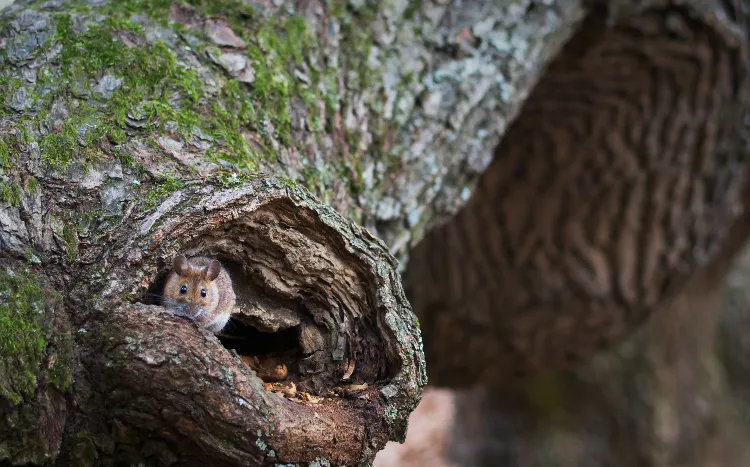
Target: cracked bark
pixel 392 135
pixel 602 340
pixel 127 139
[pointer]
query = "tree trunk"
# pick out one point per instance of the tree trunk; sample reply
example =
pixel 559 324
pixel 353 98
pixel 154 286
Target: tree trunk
pixel 262 133
pixel 612 201
pixel 670 395
pixel 132 131
pixel 618 181
pixel 251 132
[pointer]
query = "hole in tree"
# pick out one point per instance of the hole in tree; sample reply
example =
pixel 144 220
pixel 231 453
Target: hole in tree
pixel 247 340
pixel 265 352
pixel 268 332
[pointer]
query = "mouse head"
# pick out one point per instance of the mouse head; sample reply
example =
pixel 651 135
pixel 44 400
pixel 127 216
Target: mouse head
pixel 192 289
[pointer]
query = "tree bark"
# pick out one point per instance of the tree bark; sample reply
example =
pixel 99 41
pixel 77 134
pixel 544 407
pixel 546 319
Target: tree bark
pixel 584 238
pixel 671 394
pixel 127 139
pixel 618 181
pixel 131 131
pixel 135 130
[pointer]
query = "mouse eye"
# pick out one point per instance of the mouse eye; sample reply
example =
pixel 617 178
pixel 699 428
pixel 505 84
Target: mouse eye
pixel 183 289
pixel 203 293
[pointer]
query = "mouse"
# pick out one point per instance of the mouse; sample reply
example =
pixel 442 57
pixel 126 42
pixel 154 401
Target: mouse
pixel 200 289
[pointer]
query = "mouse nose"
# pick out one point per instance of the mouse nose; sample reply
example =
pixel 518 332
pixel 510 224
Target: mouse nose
pixel 193 310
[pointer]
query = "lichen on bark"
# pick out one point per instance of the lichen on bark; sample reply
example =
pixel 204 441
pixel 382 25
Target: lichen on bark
pixel 114 112
pixel 118 113
pixel 314 112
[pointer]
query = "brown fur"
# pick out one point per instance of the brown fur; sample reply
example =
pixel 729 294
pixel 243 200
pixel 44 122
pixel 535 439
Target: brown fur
pixel 200 273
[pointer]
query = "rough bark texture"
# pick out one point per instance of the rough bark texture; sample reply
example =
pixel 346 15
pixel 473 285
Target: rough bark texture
pixel 126 129
pixel 669 395
pixel 132 130
pixel 613 200
pixel 127 139
pixel 617 182
pixel 296 258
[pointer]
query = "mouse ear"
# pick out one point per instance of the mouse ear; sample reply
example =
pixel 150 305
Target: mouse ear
pixel 180 265
pixel 213 270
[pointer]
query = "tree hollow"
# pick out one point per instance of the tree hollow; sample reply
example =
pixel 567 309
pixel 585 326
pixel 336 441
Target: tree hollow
pixel 315 294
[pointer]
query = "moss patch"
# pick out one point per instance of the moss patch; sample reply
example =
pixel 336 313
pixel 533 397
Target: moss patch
pixel 59 370
pixel 5 158
pixel 22 340
pixel 237 125
pixel 164 187
pixel 58 149
pixel 157 90
pixel 231 179
pixel 145 75
pixel 31 185
pixel 10 193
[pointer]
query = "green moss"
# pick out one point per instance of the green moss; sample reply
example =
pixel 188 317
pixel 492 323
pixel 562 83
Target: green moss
pixel 148 74
pixel 5 158
pixel 239 12
pixel 71 241
pixel 243 123
pixel 277 47
pixel 288 182
pixel 230 115
pixel 127 160
pixel 10 193
pixel 22 341
pixel 59 373
pixel 232 179
pixel 58 149
pixel 155 90
pixel 31 185
pixel 360 79
pixel 164 187
pixel 279 44
pixel 23 132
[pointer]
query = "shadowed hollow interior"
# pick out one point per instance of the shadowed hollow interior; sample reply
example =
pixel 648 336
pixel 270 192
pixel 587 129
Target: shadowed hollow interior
pixel 301 300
